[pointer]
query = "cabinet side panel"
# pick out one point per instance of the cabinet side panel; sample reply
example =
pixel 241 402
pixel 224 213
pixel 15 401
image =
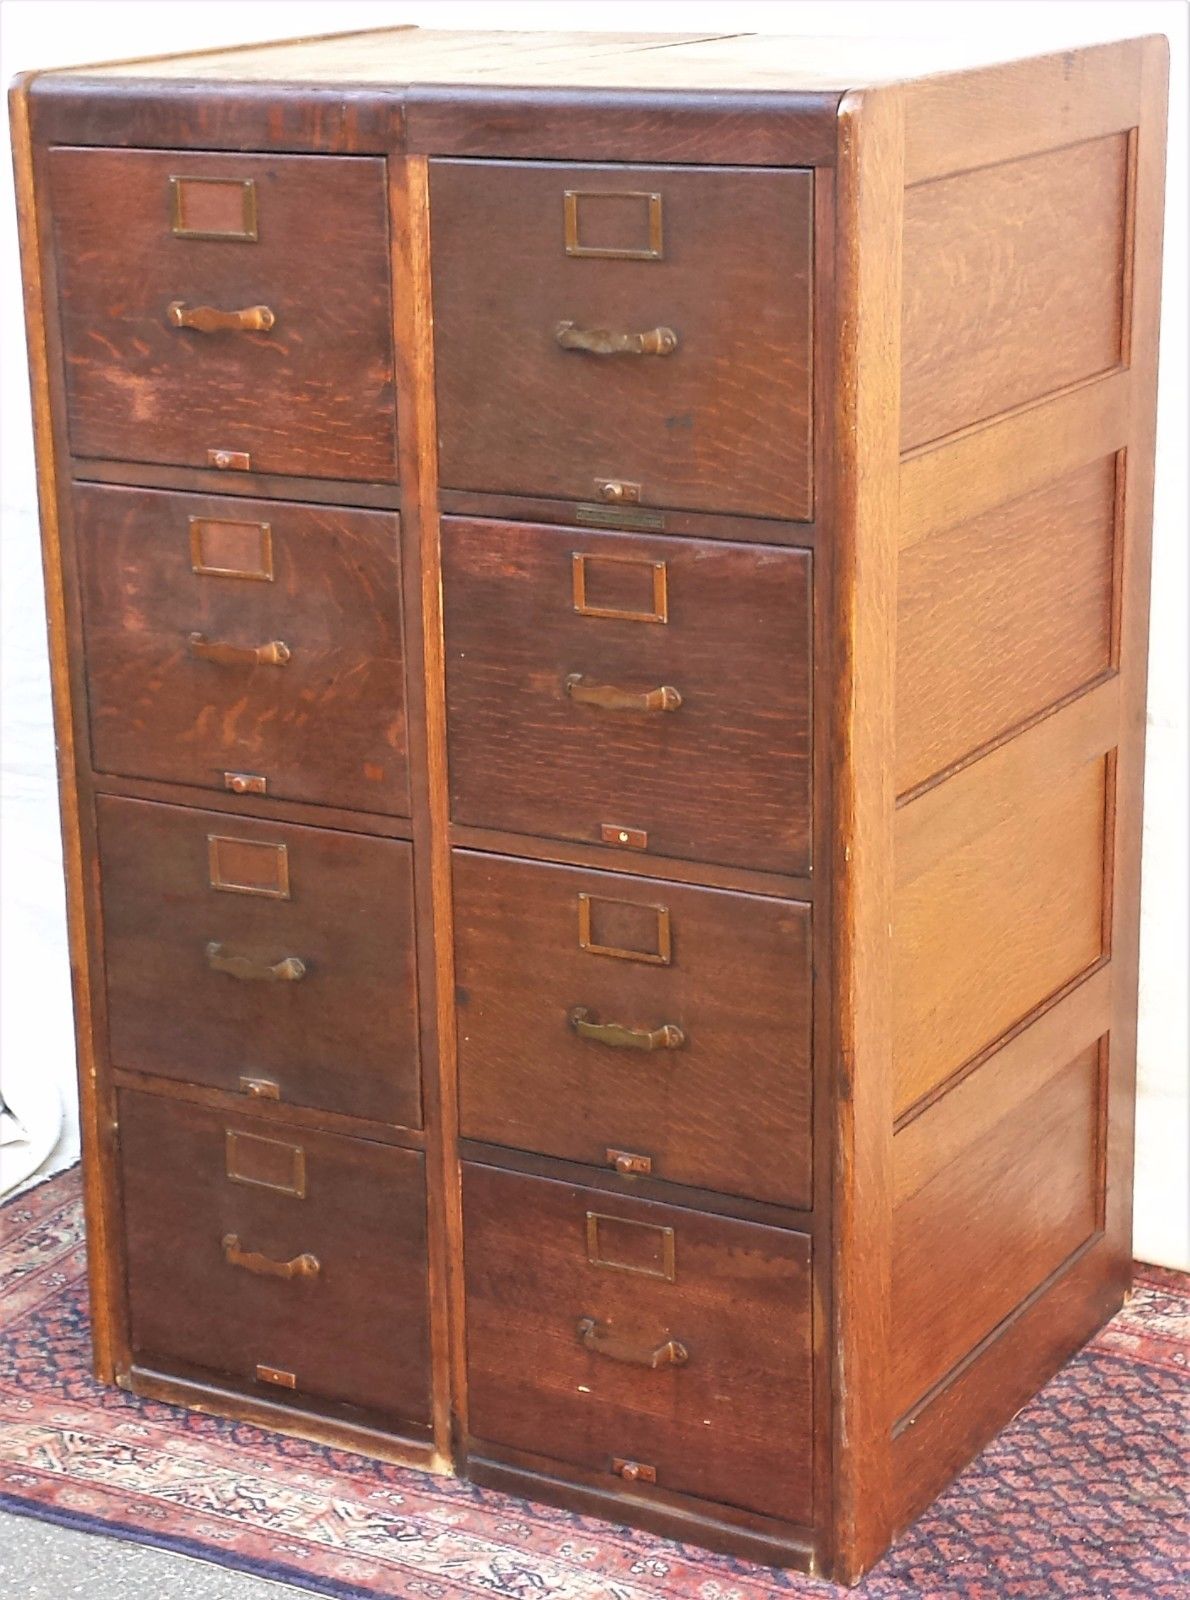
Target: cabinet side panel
pixel 1022 631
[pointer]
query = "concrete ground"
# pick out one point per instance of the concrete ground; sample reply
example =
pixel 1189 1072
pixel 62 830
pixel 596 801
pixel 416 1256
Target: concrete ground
pixel 39 1561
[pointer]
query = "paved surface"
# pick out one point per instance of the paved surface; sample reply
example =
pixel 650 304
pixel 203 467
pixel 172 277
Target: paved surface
pixel 39 1561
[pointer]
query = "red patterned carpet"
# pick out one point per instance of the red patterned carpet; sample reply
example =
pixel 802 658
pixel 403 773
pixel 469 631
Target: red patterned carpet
pixel 1084 1496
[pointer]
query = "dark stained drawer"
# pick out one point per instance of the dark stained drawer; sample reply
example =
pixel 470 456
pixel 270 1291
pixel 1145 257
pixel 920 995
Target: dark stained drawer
pixel 147 237
pixel 281 1257
pixel 233 640
pixel 605 1018
pixel 697 281
pixel 261 958
pixel 604 684
pixel 604 1331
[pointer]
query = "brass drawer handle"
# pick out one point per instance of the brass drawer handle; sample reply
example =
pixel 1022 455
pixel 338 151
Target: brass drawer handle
pixel 603 342
pixel 273 654
pixel 288 970
pixel 667 1037
pixel 601 1343
pixel 608 698
pixel 303 1266
pixel 208 319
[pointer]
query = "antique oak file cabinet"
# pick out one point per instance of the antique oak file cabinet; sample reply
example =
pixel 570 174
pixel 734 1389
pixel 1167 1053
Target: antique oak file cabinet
pixel 597 591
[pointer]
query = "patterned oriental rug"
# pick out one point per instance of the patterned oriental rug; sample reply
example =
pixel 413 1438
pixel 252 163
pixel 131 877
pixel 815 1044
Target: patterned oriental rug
pixel 1084 1496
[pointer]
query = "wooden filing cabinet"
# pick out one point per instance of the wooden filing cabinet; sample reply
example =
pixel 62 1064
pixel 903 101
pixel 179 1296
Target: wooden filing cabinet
pixel 597 590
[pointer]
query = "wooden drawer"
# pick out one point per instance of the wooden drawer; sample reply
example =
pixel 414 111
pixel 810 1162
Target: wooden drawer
pixel 581 1307
pixel 541 621
pixel 242 952
pixel 710 1082
pixel 141 231
pixel 714 261
pixel 306 1253
pixel 183 595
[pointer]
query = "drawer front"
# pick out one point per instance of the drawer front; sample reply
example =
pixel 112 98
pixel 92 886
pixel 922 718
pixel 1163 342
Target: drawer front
pixel 245 639
pixel 536 262
pixel 139 232
pixel 601 684
pixel 261 958
pixel 603 1017
pixel 306 1253
pixel 603 1331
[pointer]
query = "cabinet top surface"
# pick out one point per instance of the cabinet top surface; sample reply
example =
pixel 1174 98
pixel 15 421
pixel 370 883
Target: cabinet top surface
pixel 403 57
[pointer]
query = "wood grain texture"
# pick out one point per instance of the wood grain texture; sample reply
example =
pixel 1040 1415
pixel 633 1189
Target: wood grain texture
pixel 724 778
pixel 1014 279
pixel 867 430
pixel 729 1109
pixel 355 1332
pixel 139 389
pixel 999 925
pixel 722 424
pixel 992 1219
pixel 1001 616
pixel 417 431
pixel 733 1424
pixel 325 727
pixel 344 1036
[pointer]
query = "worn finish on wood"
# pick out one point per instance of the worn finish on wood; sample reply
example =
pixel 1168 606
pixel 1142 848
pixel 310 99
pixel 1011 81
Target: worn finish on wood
pixel 325 725
pixel 721 423
pixel 597 596
pixel 343 1035
pixel 311 396
pixel 723 777
pixel 349 1326
pixel 727 1108
pixel 729 1422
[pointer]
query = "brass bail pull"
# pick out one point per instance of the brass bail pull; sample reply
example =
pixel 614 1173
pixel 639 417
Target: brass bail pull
pixel 273 654
pixel 288 970
pixel 303 1266
pixel 607 697
pixel 605 342
pixel 209 319
pixel 673 1353
pixel 667 1037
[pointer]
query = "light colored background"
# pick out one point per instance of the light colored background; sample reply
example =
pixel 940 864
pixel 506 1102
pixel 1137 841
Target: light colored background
pixel 36 1042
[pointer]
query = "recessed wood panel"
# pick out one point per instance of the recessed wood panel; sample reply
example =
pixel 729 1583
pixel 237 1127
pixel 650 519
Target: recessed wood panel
pixel 1013 284
pixel 1000 616
pixel 992 1216
pixel 988 930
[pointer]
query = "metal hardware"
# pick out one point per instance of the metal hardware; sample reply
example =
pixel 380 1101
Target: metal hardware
pixel 228 460
pixel 303 1266
pixel 209 319
pixel 607 697
pixel 202 528
pixel 654 570
pixel 230 864
pixel 617 491
pixel 634 838
pixel 277 1375
pixel 658 958
pixel 574 247
pixel 606 342
pixel 289 970
pixel 260 1088
pixel 633 517
pixel 245 783
pixel 629 1165
pixel 242 191
pixel 667 1037
pixel 262 1163
pixel 638 1238
pixel 673 1353
pixel 634 1471
pixel 273 654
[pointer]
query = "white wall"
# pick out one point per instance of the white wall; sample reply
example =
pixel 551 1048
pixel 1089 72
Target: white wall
pixel 36 1037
